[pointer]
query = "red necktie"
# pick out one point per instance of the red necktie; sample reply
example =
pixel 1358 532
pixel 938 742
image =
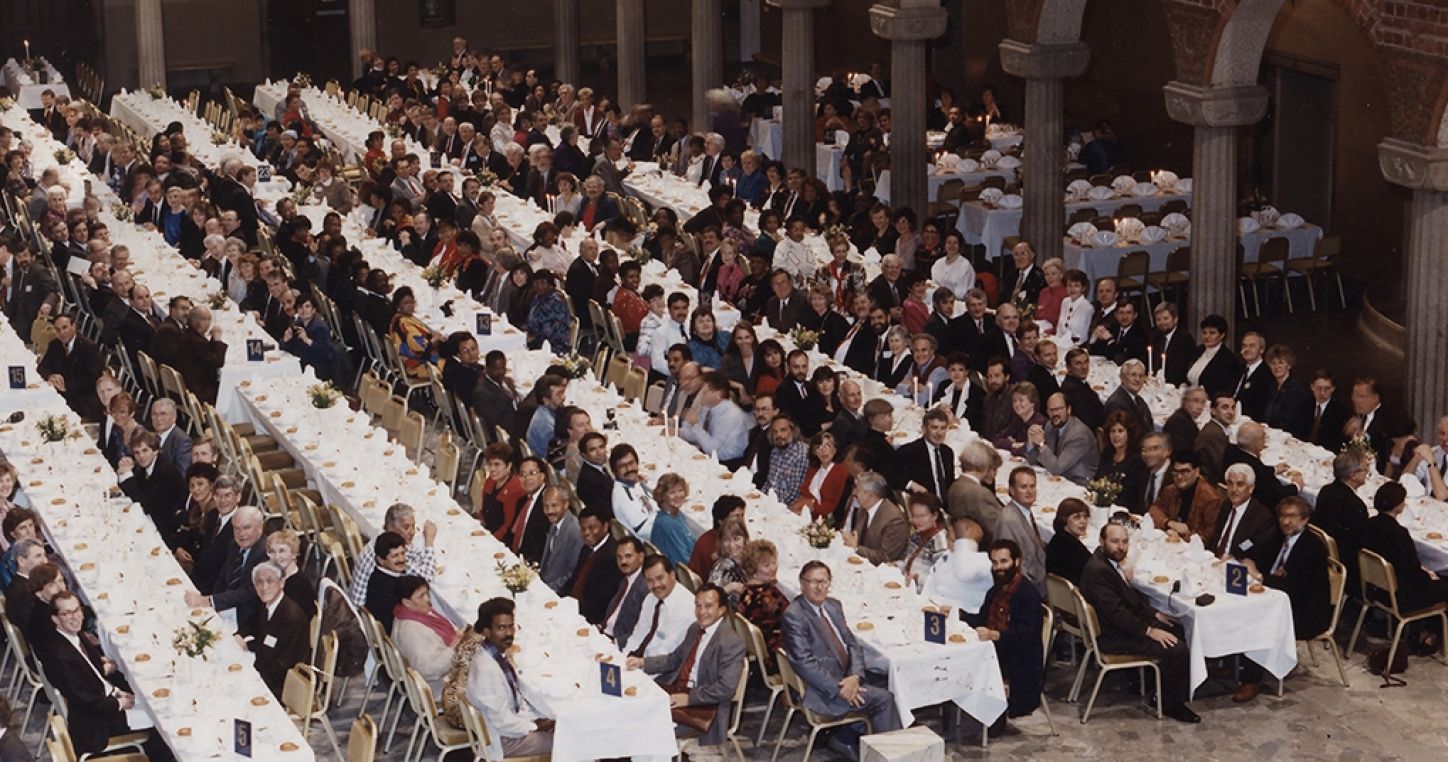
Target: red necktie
pixel 681 682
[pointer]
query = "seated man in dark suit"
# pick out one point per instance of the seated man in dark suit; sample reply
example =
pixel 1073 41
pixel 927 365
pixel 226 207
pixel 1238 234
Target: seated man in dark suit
pixel 1244 522
pixel 1251 441
pixel 71 364
pixel 1294 561
pixel 595 483
pixel 19 598
pixel 1173 344
pixel 1341 513
pixel 823 651
pixel 46 582
pixel 281 639
pixel 1129 625
pixel 1328 413
pixel 382 594
pixel 1181 425
pixel 1127 396
pixel 927 464
pixel 153 481
pixel 702 673
pixel 596 578
pixel 1127 340
pixel 1418 586
pixel 95 692
pixel 1011 618
pixel 1086 404
pixel 233 588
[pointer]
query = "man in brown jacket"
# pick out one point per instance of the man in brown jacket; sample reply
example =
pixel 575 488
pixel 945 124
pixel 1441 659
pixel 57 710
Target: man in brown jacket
pixel 878 531
pixel 1190 505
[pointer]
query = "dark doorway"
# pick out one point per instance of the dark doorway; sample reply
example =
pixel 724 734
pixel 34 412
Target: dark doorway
pixel 309 36
pixel 1301 144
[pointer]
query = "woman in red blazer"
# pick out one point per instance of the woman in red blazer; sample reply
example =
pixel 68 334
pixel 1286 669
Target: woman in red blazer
pixel 824 482
pixel 499 498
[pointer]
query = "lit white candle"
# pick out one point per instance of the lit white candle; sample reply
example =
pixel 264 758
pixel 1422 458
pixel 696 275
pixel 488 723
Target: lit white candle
pixel 1150 368
pixel 27 50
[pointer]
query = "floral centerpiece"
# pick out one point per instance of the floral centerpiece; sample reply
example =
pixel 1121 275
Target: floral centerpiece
pixel 640 255
pixel 572 364
pixel 122 212
pixel 53 428
pixel 64 156
pixel 394 130
pixel 818 533
pixel 302 80
pixel 301 194
pixel 486 177
pixel 323 395
pixel 804 338
pixel 218 300
pixel 195 639
pixel 434 276
pixel 1362 447
pixel 219 139
pixel 156 92
pixel 1025 305
pixel 516 577
pixel 1103 491
pixel 6 103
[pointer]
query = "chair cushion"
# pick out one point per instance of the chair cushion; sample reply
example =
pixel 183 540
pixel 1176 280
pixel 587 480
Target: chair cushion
pixel 1124 658
pixel 450 734
pixel 1429 611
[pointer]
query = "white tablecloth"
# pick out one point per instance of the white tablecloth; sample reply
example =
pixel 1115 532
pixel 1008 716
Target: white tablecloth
pixel 129 577
pixel 1100 261
pixel 357 469
pixel 24 87
pixel 148 116
pixel 989 226
pixel 345 126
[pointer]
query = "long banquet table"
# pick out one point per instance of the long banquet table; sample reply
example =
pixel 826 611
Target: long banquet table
pixel 26 89
pixel 1100 261
pixel 128 576
pixel 991 225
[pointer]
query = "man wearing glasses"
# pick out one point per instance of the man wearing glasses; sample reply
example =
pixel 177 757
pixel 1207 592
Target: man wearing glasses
pixel 1189 505
pixel 823 651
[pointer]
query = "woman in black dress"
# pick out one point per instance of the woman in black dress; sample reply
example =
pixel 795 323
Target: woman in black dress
pixel 1066 554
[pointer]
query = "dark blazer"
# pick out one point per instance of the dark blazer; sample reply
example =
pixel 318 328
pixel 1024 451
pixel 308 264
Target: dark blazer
pixel 233 588
pixel 945 332
pixel 1416 590
pixel 1344 516
pixel 975 342
pixel 1019 647
pixel 494 403
pixel 200 364
pixel 1221 374
pixel 1268 488
pixel 1123 611
pixel 604 210
pixel 784 319
pixel 535 532
pixel 1304 578
pixel 1066 557
pixel 848 429
pixel 1211 449
pixel 281 642
pixel 1290 408
pixel 1122 400
pixel 759 445
pixel 1178 352
pixel 913 464
pixel 1258 523
pixel 789 399
pixel 595 580
pixel 888 295
pixel 595 490
pixel 94 716
pixel 1328 433
pixel 1182 429
pixel 579 287
pixel 383 597
pixel 162 494
pixel 80 369
pixel 216 544
pixel 1124 344
pixel 1254 390
pixel 1085 403
pixel 860 356
pixel 970 403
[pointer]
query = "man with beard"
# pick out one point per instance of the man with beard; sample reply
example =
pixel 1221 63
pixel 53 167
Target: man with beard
pixel 1129 624
pixel 1011 618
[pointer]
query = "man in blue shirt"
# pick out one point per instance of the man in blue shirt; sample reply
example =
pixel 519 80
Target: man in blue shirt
pixel 551 391
pixel 718 426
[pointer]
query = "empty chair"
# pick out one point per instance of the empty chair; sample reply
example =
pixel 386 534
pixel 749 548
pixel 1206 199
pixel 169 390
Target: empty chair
pixel 1081 215
pixel 1375 572
pixel 1323 260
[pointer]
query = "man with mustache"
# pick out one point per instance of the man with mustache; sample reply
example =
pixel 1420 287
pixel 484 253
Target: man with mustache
pixel 496 689
pixel 1011 618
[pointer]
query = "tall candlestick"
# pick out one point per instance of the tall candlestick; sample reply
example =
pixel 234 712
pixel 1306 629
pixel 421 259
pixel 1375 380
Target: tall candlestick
pixel 27 51
pixel 1149 367
pixel 929 392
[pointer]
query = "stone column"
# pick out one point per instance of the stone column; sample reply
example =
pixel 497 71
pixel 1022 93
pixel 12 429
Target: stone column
pixel 565 45
pixel 362 21
pixel 749 23
pixel 631 54
pixel 907 26
pixel 150 44
pixel 707 56
pixel 797 61
pixel 1424 171
pixel 1216 113
pixel 1045 67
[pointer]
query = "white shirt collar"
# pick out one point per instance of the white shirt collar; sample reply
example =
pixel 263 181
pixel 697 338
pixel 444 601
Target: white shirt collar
pixel 271 608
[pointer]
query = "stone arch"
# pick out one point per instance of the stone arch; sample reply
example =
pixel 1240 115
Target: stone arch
pixel 1237 55
pixel 1045 21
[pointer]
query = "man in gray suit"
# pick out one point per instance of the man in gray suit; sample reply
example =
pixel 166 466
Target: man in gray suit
pixel 1064 447
pixel 565 541
pixel 824 653
pixel 623 611
pixel 1019 526
pixel 1212 440
pixel 878 530
pixel 702 674
pixel 972 494
pixel 175 444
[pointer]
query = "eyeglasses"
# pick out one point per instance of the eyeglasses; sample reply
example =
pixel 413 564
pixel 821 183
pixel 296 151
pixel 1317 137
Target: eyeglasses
pixel 816 582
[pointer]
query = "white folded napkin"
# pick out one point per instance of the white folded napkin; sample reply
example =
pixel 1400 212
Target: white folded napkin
pixel 1100 193
pixel 1247 225
pixel 1267 216
pixel 1129 229
pixel 1078 188
pixel 991 196
pixel 948 162
pixel 1290 220
pixel 1153 234
pixel 1144 189
pixel 1008 162
pixel 1184 186
pixel 1103 238
pixel 989 158
pixel 1081 232
pixel 1165 179
pixel 1011 201
pixel 1123 184
pixel 966 166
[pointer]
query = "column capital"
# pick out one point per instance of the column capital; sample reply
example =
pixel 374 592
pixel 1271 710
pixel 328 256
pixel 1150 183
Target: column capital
pixel 908 23
pixel 796 5
pixel 1060 60
pixel 1215 106
pixel 1414 166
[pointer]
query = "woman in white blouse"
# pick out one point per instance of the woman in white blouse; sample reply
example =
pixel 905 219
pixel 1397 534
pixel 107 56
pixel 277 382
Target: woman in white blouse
pixel 424 637
pixel 954 271
pixel 1076 310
